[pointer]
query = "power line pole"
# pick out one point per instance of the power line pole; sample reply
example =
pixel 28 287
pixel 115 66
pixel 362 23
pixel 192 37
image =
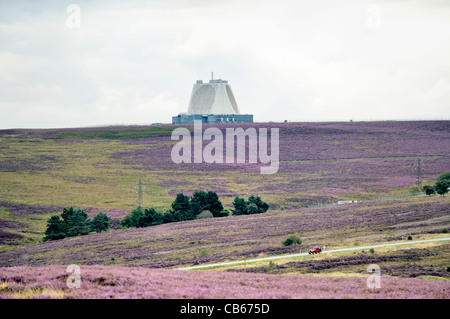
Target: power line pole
pixel 140 192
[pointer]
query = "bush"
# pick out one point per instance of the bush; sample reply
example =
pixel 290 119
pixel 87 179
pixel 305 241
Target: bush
pixel 74 222
pixel 168 217
pixel 205 201
pixel 292 240
pixel 262 206
pixel 252 208
pixel 409 237
pixel 254 205
pixel 148 217
pixel 182 215
pixel 133 218
pixel 372 251
pixel 441 187
pixel 223 213
pixel 213 204
pixel 444 177
pixel 204 214
pixel 78 224
pixel 240 206
pixel 429 190
pixel 151 218
pixel 101 222
pixel 181 203
pixel 185 207
pixel 445 230
pixel 54 229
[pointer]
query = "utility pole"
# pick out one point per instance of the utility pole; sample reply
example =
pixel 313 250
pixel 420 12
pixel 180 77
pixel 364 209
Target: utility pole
pixel 140 192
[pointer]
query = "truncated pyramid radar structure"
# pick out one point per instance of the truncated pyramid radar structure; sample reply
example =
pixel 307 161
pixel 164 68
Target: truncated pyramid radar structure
pixel 212 102
pixel 215 97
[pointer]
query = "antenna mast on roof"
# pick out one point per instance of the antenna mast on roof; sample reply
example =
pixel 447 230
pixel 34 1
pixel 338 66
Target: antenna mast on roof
pixel 212 75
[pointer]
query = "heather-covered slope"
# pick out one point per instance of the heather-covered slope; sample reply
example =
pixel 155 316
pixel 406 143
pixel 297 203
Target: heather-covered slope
pixel 96 169
pixel 105 282
pixel 234 237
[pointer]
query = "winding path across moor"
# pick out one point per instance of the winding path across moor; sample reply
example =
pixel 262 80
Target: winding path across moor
pixel 305 254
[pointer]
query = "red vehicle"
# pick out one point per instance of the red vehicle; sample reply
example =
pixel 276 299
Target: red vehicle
pixel 316 250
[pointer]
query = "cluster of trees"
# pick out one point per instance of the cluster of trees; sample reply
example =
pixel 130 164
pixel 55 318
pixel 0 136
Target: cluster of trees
pixel 440 187
pixel 74 222
pixel 183 208
pixel 143 218
pixel 254 205
pixel 200 205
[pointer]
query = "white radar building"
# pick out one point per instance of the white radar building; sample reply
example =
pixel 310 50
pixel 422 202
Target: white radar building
pixel 212 102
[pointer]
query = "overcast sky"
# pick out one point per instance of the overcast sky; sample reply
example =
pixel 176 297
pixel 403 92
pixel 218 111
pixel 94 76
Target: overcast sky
pixel 134 62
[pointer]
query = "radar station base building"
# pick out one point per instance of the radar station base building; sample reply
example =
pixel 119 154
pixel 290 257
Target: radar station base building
pixel 212 118
pixel 213 103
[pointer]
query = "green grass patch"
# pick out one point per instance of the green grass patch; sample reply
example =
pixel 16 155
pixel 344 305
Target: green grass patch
pixel 123 134
pixel 433 278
